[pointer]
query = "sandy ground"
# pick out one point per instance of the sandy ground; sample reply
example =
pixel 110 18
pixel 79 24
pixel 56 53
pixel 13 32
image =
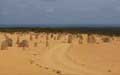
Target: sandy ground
pixel 59 57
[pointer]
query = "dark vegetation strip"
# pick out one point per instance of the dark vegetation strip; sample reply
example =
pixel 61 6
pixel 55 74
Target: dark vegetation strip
pixel 111 31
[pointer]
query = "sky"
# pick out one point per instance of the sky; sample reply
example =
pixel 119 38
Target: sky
pixel 60 12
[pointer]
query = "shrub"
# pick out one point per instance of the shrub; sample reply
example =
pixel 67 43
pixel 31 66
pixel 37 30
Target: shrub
pixel 31 37
pixel 35 44
pixel 24 44
pixel 91 39
pixel 51 36
pixel 36 36
pixel 10 42
pixel 59 36
pixel 18 40
pixel 106 39
pixel 80 39
pixel 47 44
pixel 4 45
pixel 70 39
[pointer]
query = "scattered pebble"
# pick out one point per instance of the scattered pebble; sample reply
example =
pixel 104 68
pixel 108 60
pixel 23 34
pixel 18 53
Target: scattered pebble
pixel 83 64
pixel 34 54
pixel 46 68
pixel 31 61
pixel 39 65
pixel 58 72
pixel 109 70
pixel 97 42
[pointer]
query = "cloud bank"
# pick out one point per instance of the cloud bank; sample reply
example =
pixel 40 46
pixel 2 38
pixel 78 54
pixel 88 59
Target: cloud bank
pixel 59 11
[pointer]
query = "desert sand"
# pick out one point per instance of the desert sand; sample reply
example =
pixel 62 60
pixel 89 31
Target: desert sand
pixel 59 54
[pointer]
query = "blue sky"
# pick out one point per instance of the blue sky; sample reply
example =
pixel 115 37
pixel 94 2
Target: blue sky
pixel 59 11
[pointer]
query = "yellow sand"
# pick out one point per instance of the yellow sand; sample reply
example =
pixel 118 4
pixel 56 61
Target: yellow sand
pixel 60 57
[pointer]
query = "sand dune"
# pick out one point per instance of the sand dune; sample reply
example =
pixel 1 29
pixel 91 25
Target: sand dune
pixel 59 54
